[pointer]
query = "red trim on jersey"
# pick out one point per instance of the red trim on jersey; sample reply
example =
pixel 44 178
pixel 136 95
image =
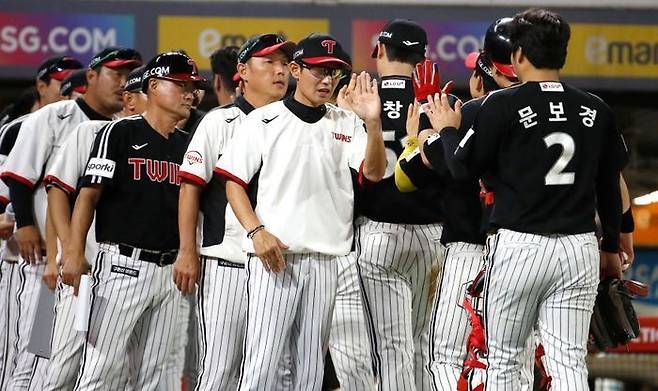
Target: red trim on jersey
pixel 4 200
pixel 230 176
pixel 191 178
pixel 362 180
pixel 54 181
pixel 16 177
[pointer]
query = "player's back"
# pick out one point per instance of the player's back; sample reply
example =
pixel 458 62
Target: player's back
pixel 382 201
pixel 548 156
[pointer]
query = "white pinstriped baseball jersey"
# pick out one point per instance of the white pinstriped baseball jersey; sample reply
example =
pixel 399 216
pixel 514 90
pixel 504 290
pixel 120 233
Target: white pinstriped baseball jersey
pixel 221 232
pixel 305 193
pixel 70 162
pixel 41 136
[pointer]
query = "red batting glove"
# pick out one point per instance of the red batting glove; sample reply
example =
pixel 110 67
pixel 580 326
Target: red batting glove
pixel 426 80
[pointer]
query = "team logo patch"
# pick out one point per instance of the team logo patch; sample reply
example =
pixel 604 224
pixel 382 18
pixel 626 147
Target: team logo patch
pixel 397 84
pixel 101 167
pixel 124 270
pixel 342 137
pixel 194 157
pixel 551 86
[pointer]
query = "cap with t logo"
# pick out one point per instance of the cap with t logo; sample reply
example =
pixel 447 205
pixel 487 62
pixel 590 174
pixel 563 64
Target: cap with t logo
pixel 321 49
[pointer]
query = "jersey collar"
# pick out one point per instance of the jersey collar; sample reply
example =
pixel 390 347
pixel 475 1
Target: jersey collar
pixel 303 112
pixel 243 105
pixel 89 112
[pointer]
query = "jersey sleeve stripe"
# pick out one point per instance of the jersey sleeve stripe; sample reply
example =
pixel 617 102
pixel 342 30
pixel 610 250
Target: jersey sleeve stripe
pixel 104 135
pixel 191 178
pixel 54 181
pixel 362 180
pixel 228 175
pixel 4 200
pixel 16 177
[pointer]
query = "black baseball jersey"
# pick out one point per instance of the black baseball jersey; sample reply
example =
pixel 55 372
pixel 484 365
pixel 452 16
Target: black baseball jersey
pixel 552 152
pixel 139 171
pixel 382 201
pixel 461 200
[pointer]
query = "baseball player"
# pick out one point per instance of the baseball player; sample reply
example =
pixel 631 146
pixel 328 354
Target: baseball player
pixel 74 85
pixel 131 182
pixel 462 235
pixel 554 156
pixel 61 182
pixel 40 134
pixel 26 102
pixel 223 64
pixel 263 68
pixel 349 344
pixel 9 278
pixel 398 234
pixel 305 154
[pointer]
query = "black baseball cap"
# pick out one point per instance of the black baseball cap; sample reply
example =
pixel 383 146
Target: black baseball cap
pixel 58 67
pixel 76 81
pixel 322 49
pixel 115 57
pixel 134 80
pixel 403 33
pixel 171 66
pixel 264 44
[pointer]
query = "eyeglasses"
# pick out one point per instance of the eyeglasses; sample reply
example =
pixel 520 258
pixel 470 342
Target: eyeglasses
pixel 321 72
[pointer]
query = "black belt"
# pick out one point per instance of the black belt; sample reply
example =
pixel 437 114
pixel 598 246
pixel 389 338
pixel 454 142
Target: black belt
pixel 160 258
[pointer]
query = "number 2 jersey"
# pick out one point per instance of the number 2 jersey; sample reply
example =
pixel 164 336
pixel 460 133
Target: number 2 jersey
pixel 551 152
pixel 382 201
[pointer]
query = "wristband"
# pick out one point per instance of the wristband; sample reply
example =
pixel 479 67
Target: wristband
pixel 627 223
pixel 251 233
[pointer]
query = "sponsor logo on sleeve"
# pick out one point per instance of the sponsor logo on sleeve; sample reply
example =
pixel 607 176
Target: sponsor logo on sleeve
pixel 194 157
pixel 101 167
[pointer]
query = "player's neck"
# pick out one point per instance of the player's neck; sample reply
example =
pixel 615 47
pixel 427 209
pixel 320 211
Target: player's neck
pixel 257 100
pixel 92 101
pixel 160 120
pixel 541 75
pixel 394 68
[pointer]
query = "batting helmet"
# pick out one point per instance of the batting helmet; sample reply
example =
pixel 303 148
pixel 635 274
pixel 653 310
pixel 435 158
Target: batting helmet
pixel 498 47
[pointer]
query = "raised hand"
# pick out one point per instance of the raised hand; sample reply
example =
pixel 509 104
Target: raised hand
pixel 440 114
pixel 413 119
pixel 426 81
pixel 342 100
pixel 364 100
